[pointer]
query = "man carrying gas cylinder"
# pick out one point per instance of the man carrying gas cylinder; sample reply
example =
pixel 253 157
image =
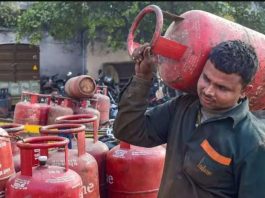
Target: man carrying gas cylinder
pixel 215 145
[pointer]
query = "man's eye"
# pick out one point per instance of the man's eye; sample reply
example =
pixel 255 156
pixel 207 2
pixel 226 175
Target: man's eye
pixel 222 88
pixel 205 78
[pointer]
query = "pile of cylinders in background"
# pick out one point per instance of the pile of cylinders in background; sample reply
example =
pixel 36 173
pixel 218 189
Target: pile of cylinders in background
pixel 61 159
pixel 103 173
pixel 84 96
pixel 87 169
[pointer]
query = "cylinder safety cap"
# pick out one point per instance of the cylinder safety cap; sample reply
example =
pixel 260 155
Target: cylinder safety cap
pixel 42 159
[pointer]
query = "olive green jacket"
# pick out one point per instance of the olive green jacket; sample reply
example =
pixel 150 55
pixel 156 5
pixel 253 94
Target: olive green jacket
pixel 221 158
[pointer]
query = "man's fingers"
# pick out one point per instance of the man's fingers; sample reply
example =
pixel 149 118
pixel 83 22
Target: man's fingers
pixel 155 58
pixel 147 52
pixel 141 52
pixel 140 49
pixel 137 56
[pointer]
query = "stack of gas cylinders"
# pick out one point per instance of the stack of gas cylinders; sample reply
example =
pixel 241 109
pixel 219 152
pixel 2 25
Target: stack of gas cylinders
pixel 61 160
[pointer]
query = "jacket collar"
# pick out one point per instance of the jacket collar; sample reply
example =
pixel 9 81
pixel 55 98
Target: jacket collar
pixel 237 113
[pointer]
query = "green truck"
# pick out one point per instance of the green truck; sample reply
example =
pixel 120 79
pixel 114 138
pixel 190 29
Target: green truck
pixel 19 70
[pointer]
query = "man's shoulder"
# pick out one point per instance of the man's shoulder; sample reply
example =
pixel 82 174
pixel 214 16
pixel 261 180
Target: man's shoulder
pixel 182 103
pixel 252 128
pixel 187 100
pixel 249 135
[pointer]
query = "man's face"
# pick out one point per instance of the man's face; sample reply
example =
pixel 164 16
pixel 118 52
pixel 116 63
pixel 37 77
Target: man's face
pixel 218 90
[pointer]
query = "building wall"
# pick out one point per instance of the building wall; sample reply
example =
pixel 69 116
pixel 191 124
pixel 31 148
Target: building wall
pixel 55 57
pixel 100 55
pixel 58 57
pixel 7 37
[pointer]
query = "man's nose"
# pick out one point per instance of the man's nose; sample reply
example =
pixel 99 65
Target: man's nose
pixel 209 90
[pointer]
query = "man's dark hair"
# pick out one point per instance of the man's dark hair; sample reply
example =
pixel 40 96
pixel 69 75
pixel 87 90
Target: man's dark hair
pixel 235 57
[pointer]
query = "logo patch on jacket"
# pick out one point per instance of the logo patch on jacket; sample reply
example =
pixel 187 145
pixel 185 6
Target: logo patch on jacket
pixel 203 167
pixel 214 154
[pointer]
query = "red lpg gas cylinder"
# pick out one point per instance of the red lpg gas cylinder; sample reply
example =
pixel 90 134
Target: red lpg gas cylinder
pixel 83 107
pixel 43 181
pixel 83 86
pixel 79 160
pixel 102 89
pixel 32 109
pixel 134 171
pixel 94 147
pixel 14 130
pixel 60 107
pixel 44 102
pixel 27 111
pixel 184 49
pixel 101 102
pixel 6 162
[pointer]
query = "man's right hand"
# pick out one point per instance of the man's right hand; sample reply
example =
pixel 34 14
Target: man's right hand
pixel 144 62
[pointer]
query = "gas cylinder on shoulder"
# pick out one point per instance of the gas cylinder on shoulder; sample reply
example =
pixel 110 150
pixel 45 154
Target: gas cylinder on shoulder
pixel 93 146
pixel 60 106
pixel 14 130
pixel 43 180
pixel 134 171
pixel 183 51
pixel 79 160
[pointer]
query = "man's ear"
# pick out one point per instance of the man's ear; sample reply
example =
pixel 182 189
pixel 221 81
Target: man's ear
pixel 245 89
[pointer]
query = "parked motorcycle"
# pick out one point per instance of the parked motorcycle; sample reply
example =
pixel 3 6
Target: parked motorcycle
pixel 5 103
pixel 53 84
pixel 113 88
pixel 109 138
pixel 160 92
